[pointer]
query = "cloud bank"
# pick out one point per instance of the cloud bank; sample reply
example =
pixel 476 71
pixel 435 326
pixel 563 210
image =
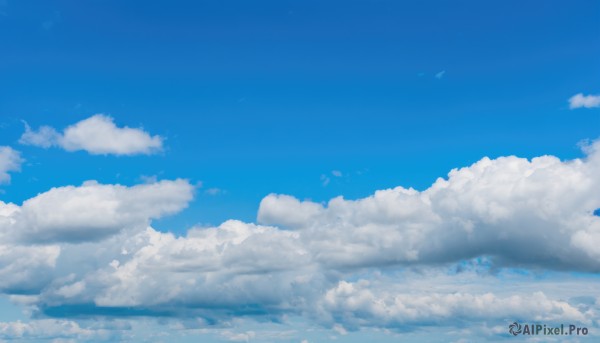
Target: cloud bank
pixel 536 213
pixel 399 260
pixel 98 135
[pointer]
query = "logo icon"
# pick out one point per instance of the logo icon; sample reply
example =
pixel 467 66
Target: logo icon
pixel 515 328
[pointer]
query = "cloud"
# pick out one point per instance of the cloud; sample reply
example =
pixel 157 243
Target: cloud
pixel 238 336
pixel 98 135
pixel 91 211
pixel 44 137
pixel 287 211
pixel 535 212
pixel 214 191
pixel 26 269
pixel 584 101
pixel 10 160
pixel 440 74
pixel 53 329
pixel 363 304
pixel 400 259
pixel 513 211
pixel 236 267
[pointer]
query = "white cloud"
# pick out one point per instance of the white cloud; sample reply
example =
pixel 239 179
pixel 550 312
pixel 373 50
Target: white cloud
pixel 91 211
pixel 233 266
pixel 440 74
pixel 238 336
pixel 60 330
pixel 44 137
pixel 26 268
pixel 98 135
pixel 10 160
pixel 585 101
pixel 363 303
pixel 287 211
pixel 520 212
pixel 399 259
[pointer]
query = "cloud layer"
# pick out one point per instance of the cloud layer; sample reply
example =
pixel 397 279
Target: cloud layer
pixel 400 259
pixel 98 135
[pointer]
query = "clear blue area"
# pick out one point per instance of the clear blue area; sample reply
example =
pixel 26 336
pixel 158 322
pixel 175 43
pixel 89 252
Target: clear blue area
pixel 255 97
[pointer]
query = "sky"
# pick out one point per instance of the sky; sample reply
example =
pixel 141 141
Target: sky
pixel 298 171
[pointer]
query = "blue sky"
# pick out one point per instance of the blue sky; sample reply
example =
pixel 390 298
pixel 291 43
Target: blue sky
pixel 312 100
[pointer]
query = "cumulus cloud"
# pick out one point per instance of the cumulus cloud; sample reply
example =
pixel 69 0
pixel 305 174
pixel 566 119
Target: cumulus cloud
pixel 91 211
pixel 236 267
pixel 287 211
pixel 31 234
pixel 10 160
pixel 514 212
pixel 535 212
pixel 398 259
pixel 584 101
pixel 25 269
pixel 98 135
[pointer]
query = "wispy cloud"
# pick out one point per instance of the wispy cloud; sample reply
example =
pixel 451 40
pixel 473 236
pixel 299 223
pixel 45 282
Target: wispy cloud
pixel 584 101
pixel 214 191
pixel 10 160
pixel 325 180
pixel 440 74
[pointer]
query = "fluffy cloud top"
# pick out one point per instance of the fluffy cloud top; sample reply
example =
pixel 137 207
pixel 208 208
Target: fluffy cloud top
pixel 10 160
pixel 586 101
pixel 520 212
pixel 97 135
pixel 91 211
pixel 234 267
